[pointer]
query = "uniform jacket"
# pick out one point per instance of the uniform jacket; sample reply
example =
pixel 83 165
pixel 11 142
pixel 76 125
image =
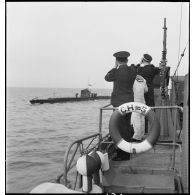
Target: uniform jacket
pixel 148 72
pixel 123 79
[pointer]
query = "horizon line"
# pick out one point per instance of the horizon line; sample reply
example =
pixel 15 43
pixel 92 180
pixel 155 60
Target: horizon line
pixel 55 87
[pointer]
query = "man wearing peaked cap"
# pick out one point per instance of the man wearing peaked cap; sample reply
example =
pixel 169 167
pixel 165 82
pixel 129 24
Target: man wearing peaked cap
pixel 123 77
pixel 148 72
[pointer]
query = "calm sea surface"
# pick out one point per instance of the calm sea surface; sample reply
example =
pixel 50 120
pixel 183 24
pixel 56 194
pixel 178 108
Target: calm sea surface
pixel 37 135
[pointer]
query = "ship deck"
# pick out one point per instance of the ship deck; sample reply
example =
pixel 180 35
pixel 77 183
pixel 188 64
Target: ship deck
pixel 150 172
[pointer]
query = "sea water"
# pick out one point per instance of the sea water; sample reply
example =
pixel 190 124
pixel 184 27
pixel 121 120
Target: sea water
pixel 37 135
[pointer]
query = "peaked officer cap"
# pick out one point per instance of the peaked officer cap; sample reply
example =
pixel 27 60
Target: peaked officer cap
pixel 147 58
pixel 121 54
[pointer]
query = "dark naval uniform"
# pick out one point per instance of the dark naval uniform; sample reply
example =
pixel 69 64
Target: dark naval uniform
pixel 123 78
pixel 148 72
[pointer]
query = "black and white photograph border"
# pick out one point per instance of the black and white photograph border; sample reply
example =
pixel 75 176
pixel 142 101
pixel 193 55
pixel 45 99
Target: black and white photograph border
pixel 48 80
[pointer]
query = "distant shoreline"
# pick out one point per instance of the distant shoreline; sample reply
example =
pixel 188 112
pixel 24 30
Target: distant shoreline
pixel 58 87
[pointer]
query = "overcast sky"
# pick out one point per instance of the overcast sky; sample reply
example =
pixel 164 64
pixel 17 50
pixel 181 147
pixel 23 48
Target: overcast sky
pixel 68 44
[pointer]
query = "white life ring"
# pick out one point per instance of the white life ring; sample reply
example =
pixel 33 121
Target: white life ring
pixel 132 147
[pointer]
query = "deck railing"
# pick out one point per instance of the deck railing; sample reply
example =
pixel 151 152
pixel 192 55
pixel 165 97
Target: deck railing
pixel 68 164
pixel 173 143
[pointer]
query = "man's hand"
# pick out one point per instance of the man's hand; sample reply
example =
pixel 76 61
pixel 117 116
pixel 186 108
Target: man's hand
pixel 116 64
pixel 141 61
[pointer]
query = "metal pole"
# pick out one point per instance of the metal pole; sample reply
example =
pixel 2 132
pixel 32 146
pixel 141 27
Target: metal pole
pixel 165 107
pixel 174 138
pixel 100 125
pixel 163 61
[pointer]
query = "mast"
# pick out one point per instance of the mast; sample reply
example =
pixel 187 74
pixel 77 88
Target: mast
pixel 163 61
pixel 164 73
pixel 167 118
pixel 164 115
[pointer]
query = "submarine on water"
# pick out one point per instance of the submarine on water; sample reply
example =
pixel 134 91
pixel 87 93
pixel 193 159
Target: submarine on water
pixel 85 95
